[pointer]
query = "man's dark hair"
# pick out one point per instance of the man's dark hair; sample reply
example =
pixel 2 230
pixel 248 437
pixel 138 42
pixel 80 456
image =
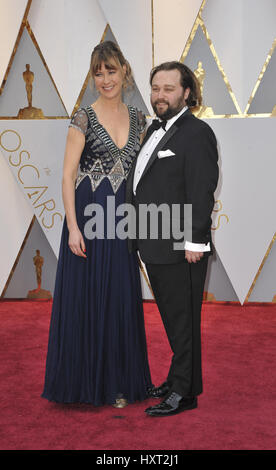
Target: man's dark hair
pixel 187 80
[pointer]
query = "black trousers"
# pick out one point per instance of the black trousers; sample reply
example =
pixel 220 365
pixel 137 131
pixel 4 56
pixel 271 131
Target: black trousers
pixel 178 290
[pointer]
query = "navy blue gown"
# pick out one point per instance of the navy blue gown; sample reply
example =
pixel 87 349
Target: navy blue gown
pixel 97 348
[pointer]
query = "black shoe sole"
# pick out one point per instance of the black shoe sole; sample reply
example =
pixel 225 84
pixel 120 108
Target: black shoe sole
pixel 171 413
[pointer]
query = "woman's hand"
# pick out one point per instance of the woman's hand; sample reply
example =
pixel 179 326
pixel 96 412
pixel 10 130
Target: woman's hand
pixel 76 243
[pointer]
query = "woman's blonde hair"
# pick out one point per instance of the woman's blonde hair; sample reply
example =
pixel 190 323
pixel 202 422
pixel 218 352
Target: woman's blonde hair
pixel 108 52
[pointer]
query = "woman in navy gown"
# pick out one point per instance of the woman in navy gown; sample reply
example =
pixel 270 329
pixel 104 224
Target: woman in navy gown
pixel 97 349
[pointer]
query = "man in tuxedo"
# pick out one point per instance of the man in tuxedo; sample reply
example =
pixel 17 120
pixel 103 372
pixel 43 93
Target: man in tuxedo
pixel 177 164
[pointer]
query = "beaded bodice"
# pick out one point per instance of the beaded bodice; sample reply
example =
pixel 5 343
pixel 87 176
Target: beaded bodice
pixel 101 158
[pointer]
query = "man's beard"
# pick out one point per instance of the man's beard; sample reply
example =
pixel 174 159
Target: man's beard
pixel 171 111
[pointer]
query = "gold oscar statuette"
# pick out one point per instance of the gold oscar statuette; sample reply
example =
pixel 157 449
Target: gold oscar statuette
pixel 202 111
pixel 29 112
pixel 208 296
pixel 273 111
pixel 39 293
pixel 200 75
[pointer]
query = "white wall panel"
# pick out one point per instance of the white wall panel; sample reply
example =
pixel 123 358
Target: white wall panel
pixel 247 192
pixel 44 94
pixel 173 22
pixel 130 96
pixel 67 31
pixel 264 100
pixel 242 33
pixel 215 91
pixel 24 276
pixel 217 282
pixel 131 25
pixel 265 287
pixel 15 215
pixel 11 15
pixel 35 153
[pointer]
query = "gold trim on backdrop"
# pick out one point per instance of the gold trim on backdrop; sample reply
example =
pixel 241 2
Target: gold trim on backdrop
pixel 18 257
pixel 105 32
pixel 260 268
pixel 11 118
pixel 25 24
pixel 238 116
pixel 32 36
pixel 192 33
pixel 16 45
pixel 215 55
pixel 217 116
pixel 88 76
pixel 84 86
pixel 200 23
pixel 261 76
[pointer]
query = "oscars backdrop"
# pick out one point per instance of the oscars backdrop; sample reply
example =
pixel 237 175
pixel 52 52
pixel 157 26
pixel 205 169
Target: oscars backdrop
pixel 44 77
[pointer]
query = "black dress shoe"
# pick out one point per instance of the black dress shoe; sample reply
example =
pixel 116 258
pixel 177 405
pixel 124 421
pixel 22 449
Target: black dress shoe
pixel 172 405
pixel 159 392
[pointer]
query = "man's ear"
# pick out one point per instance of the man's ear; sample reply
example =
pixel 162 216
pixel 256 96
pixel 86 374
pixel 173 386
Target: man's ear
pixel 186 93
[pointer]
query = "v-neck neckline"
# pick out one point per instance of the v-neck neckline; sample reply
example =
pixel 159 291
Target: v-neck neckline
pixel 119 149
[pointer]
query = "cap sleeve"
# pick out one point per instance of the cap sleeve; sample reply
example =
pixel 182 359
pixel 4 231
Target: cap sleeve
pixel 80 121
pixel 142 121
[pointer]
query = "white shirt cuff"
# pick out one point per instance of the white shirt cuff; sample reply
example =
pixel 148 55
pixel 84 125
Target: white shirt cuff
pixel 197 246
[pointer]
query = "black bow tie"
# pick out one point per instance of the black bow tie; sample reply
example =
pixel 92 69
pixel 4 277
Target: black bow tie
pixel 156 124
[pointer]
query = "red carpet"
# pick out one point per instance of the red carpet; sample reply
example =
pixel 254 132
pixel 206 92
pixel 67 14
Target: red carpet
pixel 236 411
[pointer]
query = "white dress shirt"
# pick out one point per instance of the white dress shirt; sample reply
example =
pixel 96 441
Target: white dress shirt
pixel 143 159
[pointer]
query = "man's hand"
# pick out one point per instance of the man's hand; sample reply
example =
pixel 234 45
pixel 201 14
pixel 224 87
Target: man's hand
pixel 193 256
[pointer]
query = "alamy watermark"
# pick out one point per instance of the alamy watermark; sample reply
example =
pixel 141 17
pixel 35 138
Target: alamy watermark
pixel 166 221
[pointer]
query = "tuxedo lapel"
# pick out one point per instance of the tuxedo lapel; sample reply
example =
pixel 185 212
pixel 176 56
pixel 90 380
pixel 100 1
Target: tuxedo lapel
pixel 168 135
pixel 159 146
pixel 147 136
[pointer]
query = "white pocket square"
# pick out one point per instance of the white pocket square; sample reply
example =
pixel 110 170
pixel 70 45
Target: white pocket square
pixel 165 153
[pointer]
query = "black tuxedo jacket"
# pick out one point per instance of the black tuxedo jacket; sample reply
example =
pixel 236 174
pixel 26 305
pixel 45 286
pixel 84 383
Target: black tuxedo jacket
pixel 188 177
